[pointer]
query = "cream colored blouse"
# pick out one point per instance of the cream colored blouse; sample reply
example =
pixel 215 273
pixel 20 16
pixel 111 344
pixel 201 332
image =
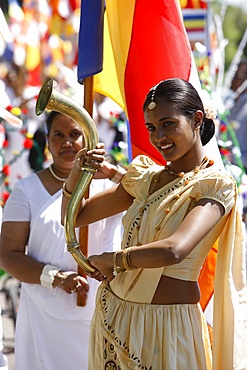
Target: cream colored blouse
pixel 156 217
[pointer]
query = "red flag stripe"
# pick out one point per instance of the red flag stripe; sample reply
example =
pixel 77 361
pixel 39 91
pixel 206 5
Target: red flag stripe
pixel 159 49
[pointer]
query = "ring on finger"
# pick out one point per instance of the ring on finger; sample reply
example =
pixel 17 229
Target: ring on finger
pixel 74 290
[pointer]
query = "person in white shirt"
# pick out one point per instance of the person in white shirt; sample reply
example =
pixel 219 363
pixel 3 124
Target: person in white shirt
pixel 52 330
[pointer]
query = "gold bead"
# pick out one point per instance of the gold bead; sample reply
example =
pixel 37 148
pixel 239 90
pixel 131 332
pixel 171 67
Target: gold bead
pixel 177 196
pixel 167 211
pixel 157 228
pixel 181 174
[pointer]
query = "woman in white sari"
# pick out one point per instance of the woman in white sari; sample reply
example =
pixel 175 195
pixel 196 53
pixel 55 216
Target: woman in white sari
pixel 52 331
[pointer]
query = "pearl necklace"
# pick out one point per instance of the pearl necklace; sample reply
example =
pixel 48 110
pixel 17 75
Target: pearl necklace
pixel 55 176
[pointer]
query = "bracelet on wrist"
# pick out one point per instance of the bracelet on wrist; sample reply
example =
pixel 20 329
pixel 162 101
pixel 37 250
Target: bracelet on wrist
pixel 47 276
pixel 118 175
pixel 67 194
pixel 116 269
pixel 126 260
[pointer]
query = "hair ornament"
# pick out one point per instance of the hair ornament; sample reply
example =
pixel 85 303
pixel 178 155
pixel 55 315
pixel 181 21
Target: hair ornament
pixel 152 104
pixel 208 105
pixel 210 112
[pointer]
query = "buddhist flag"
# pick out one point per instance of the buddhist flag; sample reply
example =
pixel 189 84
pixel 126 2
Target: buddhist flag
pixel 144 43
pixel 196 18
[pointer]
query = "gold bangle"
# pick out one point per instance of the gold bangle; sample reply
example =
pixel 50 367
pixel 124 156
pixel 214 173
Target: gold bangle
pixel 126 260
pixel 116 269
pixel 67 194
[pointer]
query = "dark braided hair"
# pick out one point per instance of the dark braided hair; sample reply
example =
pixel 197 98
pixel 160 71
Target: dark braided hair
pixel 184 97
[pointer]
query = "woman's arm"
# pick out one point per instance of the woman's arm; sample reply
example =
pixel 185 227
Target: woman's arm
pixel 196 225
pixel 15 261
pixel 14 238
pixel 102 205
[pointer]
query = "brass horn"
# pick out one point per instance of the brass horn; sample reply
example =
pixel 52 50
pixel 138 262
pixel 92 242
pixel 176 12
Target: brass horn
pixel 49 98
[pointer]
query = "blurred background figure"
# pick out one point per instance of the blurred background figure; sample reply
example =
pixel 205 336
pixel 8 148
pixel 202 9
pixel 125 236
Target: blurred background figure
pixel 6 118
pixel 238 112
pixel 22 100
pixel 3 357
pixel 238 121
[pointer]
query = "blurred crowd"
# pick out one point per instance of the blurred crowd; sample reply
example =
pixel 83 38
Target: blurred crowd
pixel 24 149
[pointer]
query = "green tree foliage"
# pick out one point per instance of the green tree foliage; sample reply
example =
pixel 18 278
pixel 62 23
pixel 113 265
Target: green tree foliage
pixel 234 25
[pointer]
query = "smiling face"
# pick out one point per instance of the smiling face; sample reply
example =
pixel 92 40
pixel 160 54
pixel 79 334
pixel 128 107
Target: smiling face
pixel 65 139
pixel 174 135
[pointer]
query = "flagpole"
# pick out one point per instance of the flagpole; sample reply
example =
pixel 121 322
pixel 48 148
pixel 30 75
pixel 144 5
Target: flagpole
pixel 83 232
pixel 88 94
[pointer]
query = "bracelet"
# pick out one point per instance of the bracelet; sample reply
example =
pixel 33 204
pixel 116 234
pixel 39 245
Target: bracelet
pixel 116 269
pixel 47 275
pixel 118 175
pixel 67 194
pixel 126 260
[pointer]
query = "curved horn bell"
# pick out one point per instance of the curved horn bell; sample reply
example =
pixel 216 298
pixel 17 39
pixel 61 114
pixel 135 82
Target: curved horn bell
pixel 49 98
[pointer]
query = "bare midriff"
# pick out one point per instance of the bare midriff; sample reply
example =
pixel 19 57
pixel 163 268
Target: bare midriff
pixel 176 291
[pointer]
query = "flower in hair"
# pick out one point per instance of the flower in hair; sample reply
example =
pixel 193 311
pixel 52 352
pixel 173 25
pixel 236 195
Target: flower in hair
pixel 210 112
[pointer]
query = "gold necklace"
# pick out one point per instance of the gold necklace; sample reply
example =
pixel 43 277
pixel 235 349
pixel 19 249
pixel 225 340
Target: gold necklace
pixel 195 170
pixel 55 176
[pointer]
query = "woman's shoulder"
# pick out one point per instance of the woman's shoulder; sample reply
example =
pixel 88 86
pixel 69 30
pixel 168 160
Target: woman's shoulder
pixel 139 175
pixel 218 185
pixel 27 181
pixel 143 160
pixel 214 173
pixel 143 164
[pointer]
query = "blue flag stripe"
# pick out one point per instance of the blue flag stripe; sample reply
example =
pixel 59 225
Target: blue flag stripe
pixel 90 44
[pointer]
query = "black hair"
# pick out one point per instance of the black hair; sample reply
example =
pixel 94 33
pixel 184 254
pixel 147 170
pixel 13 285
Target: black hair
pixel 37 152
pixel 184 97
pixel 36 155
pixel 49 119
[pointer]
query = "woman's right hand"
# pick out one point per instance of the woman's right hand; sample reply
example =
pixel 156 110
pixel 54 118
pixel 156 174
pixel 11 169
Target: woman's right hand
pixel 93 158
pixel 103 265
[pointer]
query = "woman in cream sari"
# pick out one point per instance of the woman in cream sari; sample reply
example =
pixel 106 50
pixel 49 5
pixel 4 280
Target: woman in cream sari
pixel 147 312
